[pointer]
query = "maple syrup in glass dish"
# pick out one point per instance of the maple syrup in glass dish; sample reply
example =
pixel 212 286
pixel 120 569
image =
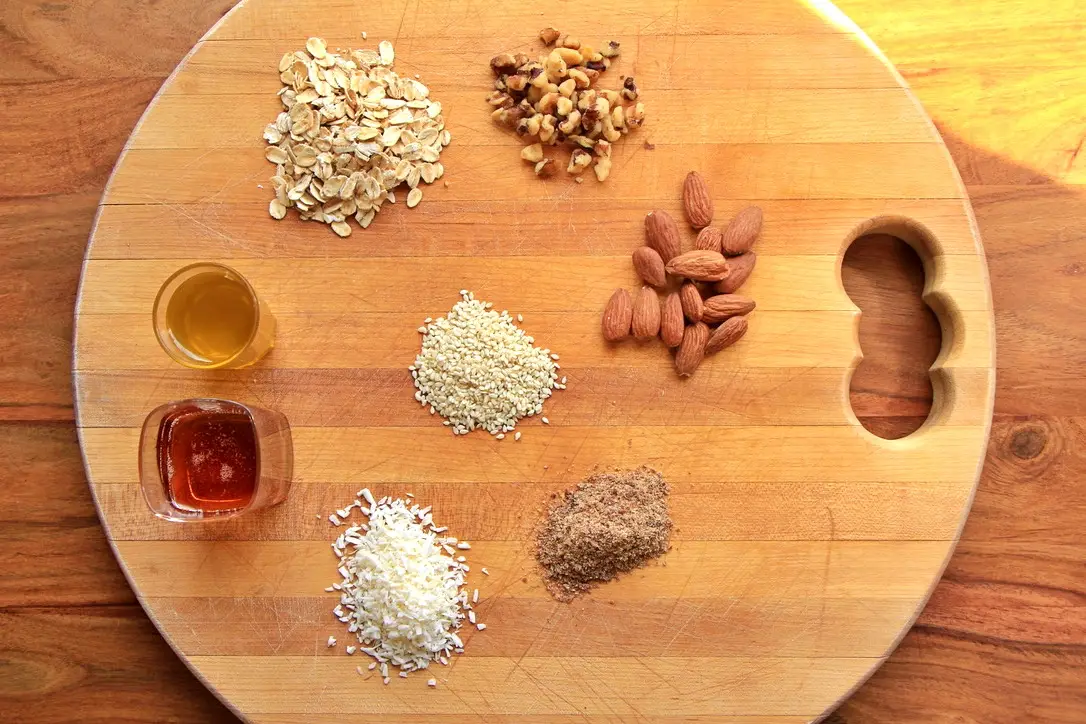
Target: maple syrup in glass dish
pixel 208 459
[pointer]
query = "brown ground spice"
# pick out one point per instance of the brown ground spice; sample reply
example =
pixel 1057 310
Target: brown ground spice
pixel 610 523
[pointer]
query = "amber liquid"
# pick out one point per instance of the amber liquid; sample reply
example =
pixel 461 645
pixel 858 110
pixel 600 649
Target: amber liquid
pixel 207 459
pixel 212 317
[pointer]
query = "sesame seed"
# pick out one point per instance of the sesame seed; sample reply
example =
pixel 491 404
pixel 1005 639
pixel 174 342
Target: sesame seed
pixel 432 683
pixel 516 436
pixel 480 626
pixel 485 571
pixel 477 369
pixel 545 421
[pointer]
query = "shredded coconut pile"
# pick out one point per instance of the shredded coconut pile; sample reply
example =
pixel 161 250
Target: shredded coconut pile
pixel 477 369
pixel 401 589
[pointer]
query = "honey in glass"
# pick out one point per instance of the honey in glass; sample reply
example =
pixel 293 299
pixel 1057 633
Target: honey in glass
pixel 208 316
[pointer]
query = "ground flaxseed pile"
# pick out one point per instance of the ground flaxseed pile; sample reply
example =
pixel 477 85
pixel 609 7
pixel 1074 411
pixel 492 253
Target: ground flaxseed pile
pixel 610 523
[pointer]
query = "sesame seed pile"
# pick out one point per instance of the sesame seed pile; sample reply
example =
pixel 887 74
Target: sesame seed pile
pixel 477 369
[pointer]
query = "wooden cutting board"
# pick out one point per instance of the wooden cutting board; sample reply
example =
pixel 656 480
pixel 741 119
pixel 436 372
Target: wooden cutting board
pixel 804 546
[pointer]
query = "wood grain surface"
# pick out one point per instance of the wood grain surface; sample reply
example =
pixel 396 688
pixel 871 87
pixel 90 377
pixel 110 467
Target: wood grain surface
pixel 1002 637
pixel 791 429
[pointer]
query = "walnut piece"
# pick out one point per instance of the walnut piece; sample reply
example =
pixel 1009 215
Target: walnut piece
pixel 549 36
pixel 551 100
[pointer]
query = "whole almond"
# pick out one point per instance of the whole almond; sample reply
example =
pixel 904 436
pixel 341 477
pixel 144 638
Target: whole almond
pixel 646 314
pixel 722 306
pixel 617 316
pixel 671 320
pixel 691 349
pixel 662 234
pixel 691 301
pixel 739 269
pixel 700 265
pixel 741 233
pixel 649 266
pixel 697 202
pixel 709 239
pixel 726 334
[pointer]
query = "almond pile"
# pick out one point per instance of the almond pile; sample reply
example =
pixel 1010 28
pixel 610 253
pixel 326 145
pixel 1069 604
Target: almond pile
pixel 700 313
pixel 551 101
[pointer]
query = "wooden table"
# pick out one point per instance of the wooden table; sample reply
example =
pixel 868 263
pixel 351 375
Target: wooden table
pixel 1003 637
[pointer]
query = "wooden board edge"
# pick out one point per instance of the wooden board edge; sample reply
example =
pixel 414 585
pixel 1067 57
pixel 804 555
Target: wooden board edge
pixel 192 663
pixel 87 255
pixel 933 296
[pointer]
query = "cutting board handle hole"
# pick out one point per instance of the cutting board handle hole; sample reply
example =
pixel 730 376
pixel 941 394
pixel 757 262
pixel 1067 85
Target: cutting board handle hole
pixel 899 334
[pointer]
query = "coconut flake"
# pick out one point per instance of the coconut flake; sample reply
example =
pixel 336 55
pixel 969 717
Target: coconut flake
pixel 402 586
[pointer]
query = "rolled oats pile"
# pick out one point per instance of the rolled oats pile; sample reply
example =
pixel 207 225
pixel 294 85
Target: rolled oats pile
pixel 477 369
pixel 352 132
pixel 551 101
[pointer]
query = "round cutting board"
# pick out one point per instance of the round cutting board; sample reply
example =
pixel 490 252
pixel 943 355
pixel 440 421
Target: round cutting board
pixel 804 546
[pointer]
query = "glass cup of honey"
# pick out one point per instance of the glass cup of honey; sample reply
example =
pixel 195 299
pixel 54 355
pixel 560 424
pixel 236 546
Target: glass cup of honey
pixel 208 316
pixel 208 459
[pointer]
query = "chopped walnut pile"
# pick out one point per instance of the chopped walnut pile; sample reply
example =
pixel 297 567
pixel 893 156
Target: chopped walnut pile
pixel 552 101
